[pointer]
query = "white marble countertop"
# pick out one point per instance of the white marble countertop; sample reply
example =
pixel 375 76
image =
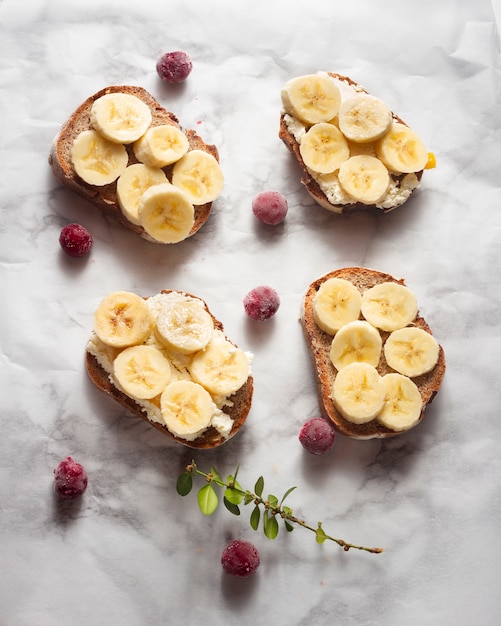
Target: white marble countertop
pixel 131 551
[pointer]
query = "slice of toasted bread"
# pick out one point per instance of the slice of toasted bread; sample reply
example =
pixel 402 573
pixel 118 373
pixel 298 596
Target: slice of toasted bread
pixel 105 197
pixel 319 343
pixel 237 407
pixel 402 186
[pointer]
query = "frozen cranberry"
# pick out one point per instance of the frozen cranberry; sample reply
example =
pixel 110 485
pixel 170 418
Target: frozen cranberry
pixel 174 67
pixel 240 558
pixel 70 479
pixel 261 303
pixel 317 435
pixel 75 240
pixel 270 207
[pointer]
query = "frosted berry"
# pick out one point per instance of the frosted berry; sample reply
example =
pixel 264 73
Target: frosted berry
pixel 270 207
pixel 75 240
pixel 261 303
pixel 317 435
pixel 240 558
pixel 70 479
pixel 174 67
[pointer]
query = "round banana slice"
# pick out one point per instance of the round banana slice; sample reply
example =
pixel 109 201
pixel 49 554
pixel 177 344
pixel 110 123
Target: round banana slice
pixel 186 409
pixel 184 325
pixel 165 213
pixel 356 341
pixel 142 371
pixel 401 150
pixel 365 178
pixel 199 176
pixel 120 117
pixel 364 118
pixel 402 405
pixel 312 98
pixel 358 392
pixel 221 367
pixel 323 148
pixel 161 145
pixel 131 185
pixel 96 160
pixel 337 302
pixel 411 351
pixel 389 306
pixel 122 319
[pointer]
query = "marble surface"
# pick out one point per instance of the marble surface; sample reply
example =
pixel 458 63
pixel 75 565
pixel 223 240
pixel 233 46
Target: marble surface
pixel 131 551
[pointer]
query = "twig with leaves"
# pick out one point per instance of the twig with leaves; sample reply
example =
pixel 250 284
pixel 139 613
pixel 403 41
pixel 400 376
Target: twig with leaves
pixel 270 508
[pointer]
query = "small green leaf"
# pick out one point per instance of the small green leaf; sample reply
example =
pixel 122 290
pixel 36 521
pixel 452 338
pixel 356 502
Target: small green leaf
pixel 273 500
pixel 288 526
pixel 254 518
pixel 232 508
pixel 233 496
pixel 184 483
pixel 259 486
pixel 248 497
pixel 207 499
pixel 270 525
pixel 216 477
pixel 320 534
pixel 286 494
pixel 287 510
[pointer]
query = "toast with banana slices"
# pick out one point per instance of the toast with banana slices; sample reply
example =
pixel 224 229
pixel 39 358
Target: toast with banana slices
pixel 127 155
pixel 167 359
pixel 353 151
pixel 376 362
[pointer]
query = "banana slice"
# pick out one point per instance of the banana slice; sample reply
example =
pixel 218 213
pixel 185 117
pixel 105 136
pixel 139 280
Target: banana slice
pixel 364 118
pixel 142 371
pixel 401 150
pixel 312 98
pixel 389 306
pixel 184 325
pixel 186 409
pixel 356 341
pixel 365 178
pixel 323 148
pixel 402 405
pixel 120 117
pixel 337 302
pixel 358 392
pixel 122 319
pixel 199 176
pixel 161 145
pixel 165 213
pixel 221 367
pixel 411 351
pixel 131 185
pixel 96 160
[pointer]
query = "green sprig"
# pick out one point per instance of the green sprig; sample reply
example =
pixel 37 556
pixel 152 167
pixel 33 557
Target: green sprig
pixel 267 511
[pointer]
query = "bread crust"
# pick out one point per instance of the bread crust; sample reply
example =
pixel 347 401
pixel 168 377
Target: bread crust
pixel 238 409
pixel 104 197
pixel 319 343
pixel 311 185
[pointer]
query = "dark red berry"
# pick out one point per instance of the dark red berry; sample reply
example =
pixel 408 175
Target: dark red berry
pixel 261 303
pixel 240 558
pixel 317 435
pixel 270 207
pixel 174 67
pixel 75 240
pixel 70 479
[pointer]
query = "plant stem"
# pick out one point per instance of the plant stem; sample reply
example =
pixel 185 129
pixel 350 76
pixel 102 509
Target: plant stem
pixel 279 510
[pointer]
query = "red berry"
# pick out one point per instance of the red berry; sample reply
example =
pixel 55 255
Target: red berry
pixel 70 479
pixel 261 303
pixel 240 558
pixel 317 435
pixel 174 67
pixel 270 207
pixel 75 240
